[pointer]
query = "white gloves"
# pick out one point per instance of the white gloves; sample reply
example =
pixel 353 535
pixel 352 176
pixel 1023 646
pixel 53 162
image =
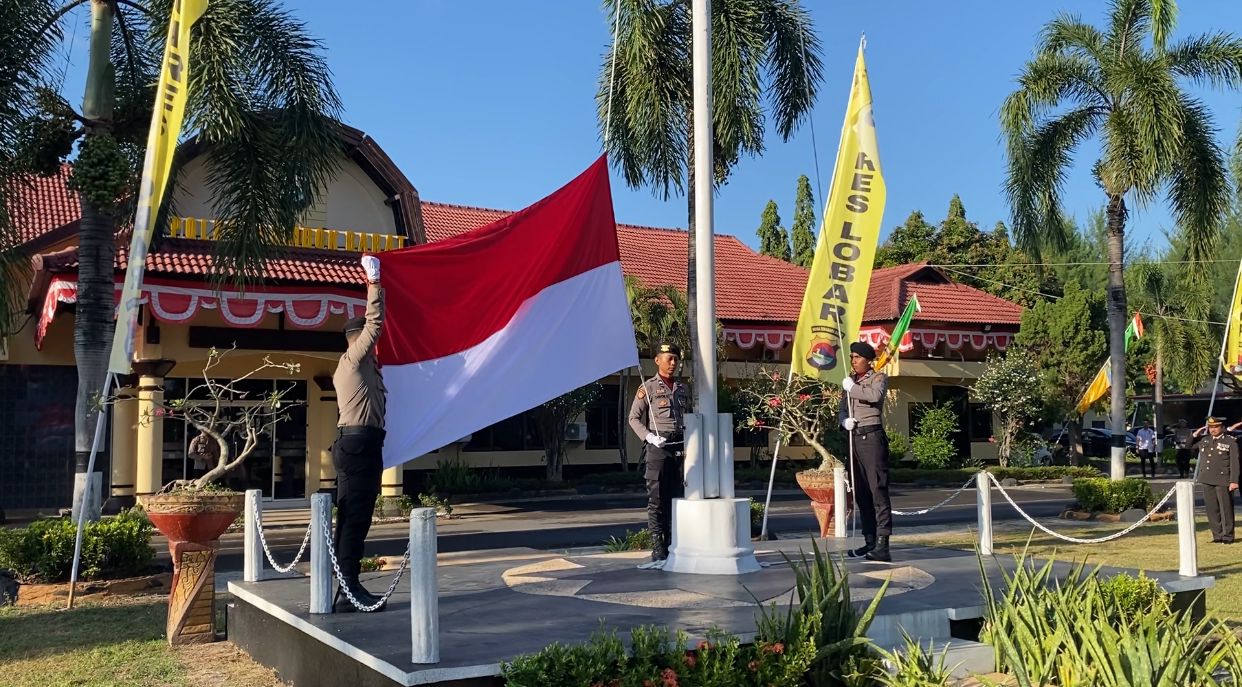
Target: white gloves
pixel 849 424
pixel 656 441
pixel 371 265
pixel 848 384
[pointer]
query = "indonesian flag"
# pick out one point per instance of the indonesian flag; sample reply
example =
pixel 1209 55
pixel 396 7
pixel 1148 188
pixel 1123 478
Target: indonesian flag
pixel 481 327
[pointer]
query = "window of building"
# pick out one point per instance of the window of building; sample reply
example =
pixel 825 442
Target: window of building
pixel 517 433
pixel 36 435
pixel 603 419
pixel 980 421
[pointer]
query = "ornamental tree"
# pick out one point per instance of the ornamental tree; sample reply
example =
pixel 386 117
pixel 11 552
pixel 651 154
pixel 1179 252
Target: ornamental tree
pixel 553 417
pixel 1008 386
pixel 804 407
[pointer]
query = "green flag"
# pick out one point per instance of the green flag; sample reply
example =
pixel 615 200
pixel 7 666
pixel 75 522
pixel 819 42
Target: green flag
pixel 899 332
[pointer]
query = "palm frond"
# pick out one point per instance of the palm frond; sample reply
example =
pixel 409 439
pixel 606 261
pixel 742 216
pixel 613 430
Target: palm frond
pixel 1067 34
pixel 1208 60
pixel 1129 22
pixel 795 67
pixel 738 55
pixel 1143 136
pixel 1048 82
pixel 1199 191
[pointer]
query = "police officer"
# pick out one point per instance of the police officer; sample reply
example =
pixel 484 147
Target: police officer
pixel 1218 473
pixel 861 416
pixel 657 416
pixel 1183 437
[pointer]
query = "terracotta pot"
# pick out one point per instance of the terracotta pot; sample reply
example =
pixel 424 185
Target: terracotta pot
pixel 193 523
pixel 819 487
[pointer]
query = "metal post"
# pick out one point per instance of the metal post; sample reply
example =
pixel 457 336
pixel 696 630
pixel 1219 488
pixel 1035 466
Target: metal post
pixel 696 444
pixel 252 561
pixel 703 338
pixel 424 588
pixel 321 563
pixel 724 424
pixel 838 501
pixel 1187 548
pixel 984 502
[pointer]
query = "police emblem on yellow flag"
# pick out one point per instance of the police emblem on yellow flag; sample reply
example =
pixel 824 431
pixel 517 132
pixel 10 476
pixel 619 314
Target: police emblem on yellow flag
pixel 836 290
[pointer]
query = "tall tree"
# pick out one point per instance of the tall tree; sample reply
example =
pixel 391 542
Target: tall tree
pixel 804 224
pixel 765 64
pixel 908 243
pixel 261 101
pixel 1124 83
pixel 773 238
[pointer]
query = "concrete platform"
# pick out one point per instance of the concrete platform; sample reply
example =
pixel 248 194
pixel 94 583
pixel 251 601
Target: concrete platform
pixel 499 604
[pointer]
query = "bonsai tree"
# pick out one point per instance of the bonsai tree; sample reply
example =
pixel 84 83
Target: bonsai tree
pixel 805 408
pixel 217 417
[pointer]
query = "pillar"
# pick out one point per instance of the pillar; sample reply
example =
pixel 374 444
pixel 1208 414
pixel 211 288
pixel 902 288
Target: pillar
pixel 321 421
pixel 149 442
pixel 124 451
pixel 392 486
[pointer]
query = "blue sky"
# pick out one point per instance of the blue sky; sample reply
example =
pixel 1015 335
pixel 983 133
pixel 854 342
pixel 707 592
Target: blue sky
pixel 491 103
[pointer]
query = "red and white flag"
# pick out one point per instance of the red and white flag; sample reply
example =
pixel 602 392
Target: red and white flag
pixel 485 325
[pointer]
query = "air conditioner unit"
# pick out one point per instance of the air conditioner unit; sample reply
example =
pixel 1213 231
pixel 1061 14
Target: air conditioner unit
pixel 576 431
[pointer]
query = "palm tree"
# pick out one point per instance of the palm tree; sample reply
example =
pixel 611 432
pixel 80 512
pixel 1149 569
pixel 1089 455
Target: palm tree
pixel 1124 83
pixel 260 102
pixel 764 52
pixel 1176 309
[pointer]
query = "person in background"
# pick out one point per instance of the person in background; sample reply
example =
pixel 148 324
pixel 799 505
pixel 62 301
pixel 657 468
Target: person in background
pixel 1145 442
pixel 1218 474
pixel 1183 436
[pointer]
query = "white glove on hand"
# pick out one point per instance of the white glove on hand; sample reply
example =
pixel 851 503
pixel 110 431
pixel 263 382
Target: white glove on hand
pixel 848 384
pixel 849 424
pixel 656 441
pixel 371 265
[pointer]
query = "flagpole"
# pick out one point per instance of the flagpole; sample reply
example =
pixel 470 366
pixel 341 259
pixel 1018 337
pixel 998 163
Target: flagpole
pixel 100 418
pixel 776 454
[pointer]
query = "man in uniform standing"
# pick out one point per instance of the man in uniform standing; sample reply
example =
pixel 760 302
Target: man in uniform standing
pixel 1183 437
pixel 862 416
pixel 357 454
pixel 657 416
pixel 1218 473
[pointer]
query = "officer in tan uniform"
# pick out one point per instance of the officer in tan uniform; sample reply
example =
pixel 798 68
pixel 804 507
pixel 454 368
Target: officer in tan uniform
pixel 862 413
pixel 357 455
pixel 1218 473
pixel 657 416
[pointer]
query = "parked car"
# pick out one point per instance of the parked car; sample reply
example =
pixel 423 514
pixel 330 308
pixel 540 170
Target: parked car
pixel 1096 442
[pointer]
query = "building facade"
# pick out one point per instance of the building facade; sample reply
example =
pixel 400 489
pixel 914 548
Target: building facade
pixel 315 284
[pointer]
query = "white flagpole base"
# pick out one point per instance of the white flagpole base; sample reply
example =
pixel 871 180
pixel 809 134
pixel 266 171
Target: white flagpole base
pixel 711 537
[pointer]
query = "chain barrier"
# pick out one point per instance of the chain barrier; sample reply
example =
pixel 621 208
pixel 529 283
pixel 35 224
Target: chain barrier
pixel 254 513
pixel 945 502
pixel 1075 540
pixel 340 578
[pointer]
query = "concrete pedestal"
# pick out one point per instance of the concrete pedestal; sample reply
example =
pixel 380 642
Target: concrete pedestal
pixel 711 537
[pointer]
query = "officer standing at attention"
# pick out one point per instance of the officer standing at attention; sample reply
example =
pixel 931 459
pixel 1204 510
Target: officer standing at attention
pixel 657 416
pixel 1218 473
pixel 861 415
pixel 357 455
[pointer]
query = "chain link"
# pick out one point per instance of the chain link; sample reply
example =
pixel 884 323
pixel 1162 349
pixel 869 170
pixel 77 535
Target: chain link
pixel 254 513
pixel 945 502
pixel 1075 540
pixel 340 578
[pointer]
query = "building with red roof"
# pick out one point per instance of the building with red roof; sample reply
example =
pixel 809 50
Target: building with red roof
pixel 316 283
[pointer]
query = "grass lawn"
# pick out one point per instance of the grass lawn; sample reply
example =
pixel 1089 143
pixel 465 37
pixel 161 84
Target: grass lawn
pixel 1151 547
pixel 120 642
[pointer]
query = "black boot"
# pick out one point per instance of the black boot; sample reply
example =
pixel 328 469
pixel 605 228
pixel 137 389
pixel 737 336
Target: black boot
pixel 342 604
pixel 860 552
pixel 880 552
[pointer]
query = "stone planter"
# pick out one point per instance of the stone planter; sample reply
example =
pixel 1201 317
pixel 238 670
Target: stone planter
pixel 193 523
pixel 819 487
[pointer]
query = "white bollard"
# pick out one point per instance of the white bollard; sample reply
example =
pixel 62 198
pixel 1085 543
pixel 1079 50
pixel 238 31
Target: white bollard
pixel 839 497
pixel 984 502
pixel 252 557
pixel 321 563
pixel 724 424
pixel 1187 547
pixel 695 467
pixel 424 588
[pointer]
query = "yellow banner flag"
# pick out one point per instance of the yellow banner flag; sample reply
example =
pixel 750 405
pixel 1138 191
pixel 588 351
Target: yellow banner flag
pixel 836 290
pixel 1232 359
pixel 1103 381
pixel 170 97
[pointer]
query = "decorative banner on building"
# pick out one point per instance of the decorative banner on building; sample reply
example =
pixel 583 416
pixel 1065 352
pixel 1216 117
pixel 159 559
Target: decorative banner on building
pixel 170 98
pixel 1104 378
pixel 1232 360
pixel 893 348
pixel 836 290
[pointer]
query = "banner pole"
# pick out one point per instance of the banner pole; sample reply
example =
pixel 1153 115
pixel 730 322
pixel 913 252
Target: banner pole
pixel 87 493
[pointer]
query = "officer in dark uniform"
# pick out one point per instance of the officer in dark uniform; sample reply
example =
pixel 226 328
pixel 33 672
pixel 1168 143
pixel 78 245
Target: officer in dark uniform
pixel 1183 437
pixel 657 416
pixel 862 413
pixel 1218 473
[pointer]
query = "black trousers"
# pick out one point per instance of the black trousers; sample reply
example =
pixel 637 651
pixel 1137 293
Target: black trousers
pixel 1146 457
pixel 358 458
pixel 1218 502
pixel 1183 461
pixel 875 509
pixel 663 472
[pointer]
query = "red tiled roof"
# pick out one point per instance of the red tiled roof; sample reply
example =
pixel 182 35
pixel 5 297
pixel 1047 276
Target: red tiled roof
pixel 940 298
pixel 42 204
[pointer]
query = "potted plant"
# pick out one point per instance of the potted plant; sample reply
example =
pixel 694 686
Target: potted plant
pixel 193 513
pixel 805 409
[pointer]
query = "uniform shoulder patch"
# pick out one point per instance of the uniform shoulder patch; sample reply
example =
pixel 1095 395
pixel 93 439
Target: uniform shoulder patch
pixel 642 393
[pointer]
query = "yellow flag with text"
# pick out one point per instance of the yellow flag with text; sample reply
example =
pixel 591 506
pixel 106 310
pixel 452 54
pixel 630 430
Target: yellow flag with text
pixel 1233 330
pixel 166 119
pixel 836 290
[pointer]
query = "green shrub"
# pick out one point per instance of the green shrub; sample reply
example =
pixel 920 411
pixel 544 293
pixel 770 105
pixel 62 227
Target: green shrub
pixel 756 517
pixel 638 540
pixel 371 564
pixel 914 666
pixel 931 442
pixel 1133 597
pixel 442 506
pixel 898 444
pixel 113 547
pixel 1099 494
